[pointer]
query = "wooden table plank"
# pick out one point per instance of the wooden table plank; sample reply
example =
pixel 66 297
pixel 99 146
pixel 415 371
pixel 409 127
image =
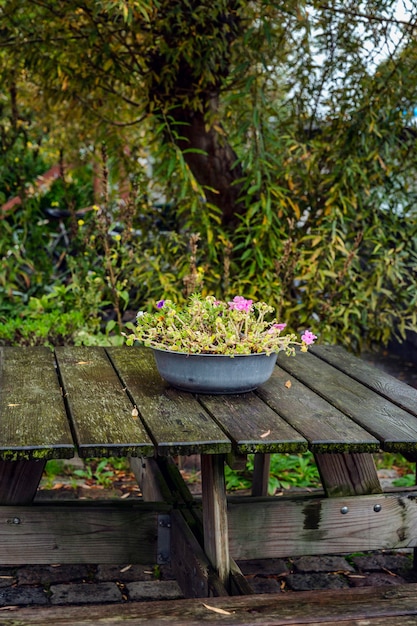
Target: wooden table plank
pixel 178 423
pixel 100 409
pixel 326 428
pixel 395 428
pixel 253 425
pixel 33 419
pixel 384 384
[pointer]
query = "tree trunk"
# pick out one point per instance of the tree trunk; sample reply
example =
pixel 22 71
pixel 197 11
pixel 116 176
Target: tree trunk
pixel 215 164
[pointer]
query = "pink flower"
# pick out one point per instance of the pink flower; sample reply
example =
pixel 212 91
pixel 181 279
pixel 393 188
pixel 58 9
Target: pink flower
pixel 276 327
pixel 240 304
pixel 279 326
pixel 308 337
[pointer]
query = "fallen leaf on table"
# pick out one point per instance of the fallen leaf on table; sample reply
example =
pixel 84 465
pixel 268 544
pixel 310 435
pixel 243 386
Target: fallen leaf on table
pixel 268 432
pixel 288 384
pixel 135 412
pixel 216 610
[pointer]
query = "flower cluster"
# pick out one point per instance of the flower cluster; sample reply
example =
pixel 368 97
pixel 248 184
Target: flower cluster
pixel 210 326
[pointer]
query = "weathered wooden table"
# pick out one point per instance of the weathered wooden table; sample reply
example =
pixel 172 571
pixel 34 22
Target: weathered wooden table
pixel 112 402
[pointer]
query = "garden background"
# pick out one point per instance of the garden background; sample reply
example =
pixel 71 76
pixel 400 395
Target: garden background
pixel 150 148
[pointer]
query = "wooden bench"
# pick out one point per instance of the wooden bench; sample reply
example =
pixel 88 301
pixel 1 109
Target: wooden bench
pixel 112 402
pixel 367 606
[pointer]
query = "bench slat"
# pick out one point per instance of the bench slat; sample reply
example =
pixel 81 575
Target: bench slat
pixel 395 428
pixel 178 423
pixel 370 606
pixel 100 410
pixel 251 423
pixel 325 427
pixel 33 419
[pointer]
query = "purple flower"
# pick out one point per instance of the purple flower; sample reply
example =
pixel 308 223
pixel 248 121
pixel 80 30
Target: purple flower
pixel 160 304
pixel 308 337
pixel 240 304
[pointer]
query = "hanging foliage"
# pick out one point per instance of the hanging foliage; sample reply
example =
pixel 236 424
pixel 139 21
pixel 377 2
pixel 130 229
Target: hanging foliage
pixel 281 132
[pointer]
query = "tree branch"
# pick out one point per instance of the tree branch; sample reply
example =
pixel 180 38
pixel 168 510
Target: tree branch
pixel 369 17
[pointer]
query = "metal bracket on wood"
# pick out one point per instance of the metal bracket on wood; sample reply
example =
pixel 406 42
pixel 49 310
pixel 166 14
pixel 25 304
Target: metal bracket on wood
pixel 164 539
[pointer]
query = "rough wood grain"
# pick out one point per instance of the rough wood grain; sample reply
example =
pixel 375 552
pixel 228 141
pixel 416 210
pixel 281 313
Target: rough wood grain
pixel 216 544
pixel 368 606
pixel 348 474
pixel 100 410
pixel 260 479
pixel 80 533
pixel 325 427
pixel 395 428
pixel 253 425
pixel 101 407
pixel 191 511
pixel 193 571
pixel 386 385
pixel 178 423
pixel 283 527
pixel 19 481
pixel 150 480
pixel 33 420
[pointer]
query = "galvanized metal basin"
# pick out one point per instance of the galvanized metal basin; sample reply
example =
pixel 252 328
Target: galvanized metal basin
pixel 214 373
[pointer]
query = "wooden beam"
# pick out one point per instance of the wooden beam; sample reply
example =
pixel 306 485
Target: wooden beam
pixel 216 544
pixel 19 480
pixel 301 526
pixel 261 468
pixel 344 474
pixel 150 480
pixel 190 533
pixel 193 571
pixel 105 532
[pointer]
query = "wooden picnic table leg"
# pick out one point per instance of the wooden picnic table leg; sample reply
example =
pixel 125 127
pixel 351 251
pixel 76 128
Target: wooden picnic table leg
pixel 216 534
pixel 260 479
pixel 412 458
pixel 19 481
pixel 344 474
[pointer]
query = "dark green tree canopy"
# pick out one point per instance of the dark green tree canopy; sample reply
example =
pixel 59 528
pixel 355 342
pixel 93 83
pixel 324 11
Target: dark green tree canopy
pixel 284 131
